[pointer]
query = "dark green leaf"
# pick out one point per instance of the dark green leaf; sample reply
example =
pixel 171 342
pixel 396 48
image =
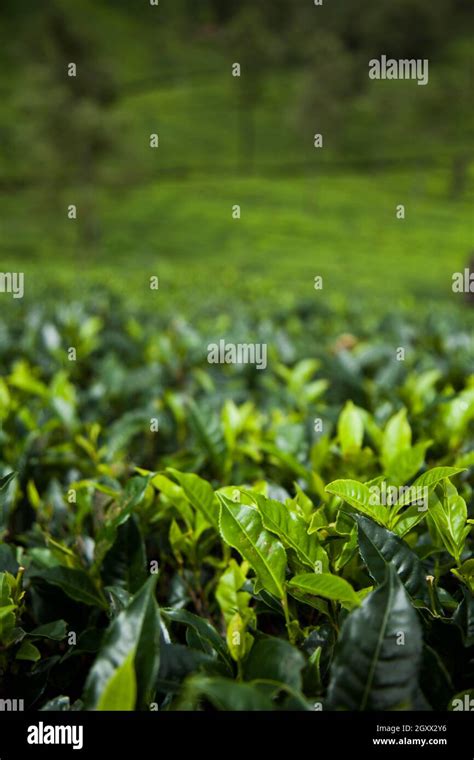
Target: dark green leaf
pixel 224 694
pixel 125 563
pixel 135 633
pixel 378 658
pixel 273 659
pixel 55 631
pixel 75 583
pixel 204 630
pixel 380 547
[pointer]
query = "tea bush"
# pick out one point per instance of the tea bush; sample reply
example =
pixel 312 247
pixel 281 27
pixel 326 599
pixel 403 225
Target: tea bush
pixel 178 535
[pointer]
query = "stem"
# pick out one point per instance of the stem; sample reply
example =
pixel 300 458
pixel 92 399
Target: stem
pixel 240 673
pixel 284 603
pixel 333 617
pixel 432 594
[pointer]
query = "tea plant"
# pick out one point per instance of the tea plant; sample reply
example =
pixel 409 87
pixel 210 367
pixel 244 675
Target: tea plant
pixel 176 536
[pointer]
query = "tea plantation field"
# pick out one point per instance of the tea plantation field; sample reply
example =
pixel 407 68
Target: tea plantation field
pixel 182 535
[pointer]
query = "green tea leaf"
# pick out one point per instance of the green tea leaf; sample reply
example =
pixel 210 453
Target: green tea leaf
pixel 428 480
pixel 28 651
pixel 292 530
pixel 203 629
pixel 273 659
pixel 465 573
pixel 56 631
pixel 386 635
pixel 449 516
pixel 229 592
pixel 4 483
pixel 407 463
pixel 200 494
pixel 75 583
pixel 350 429
pixel 7 608
pixel 359 496
pixel 404 522
pixel 396 437
pixel 208 433
pixel 125 563
pixel 177 662
pixel 5 503
pixel 239 641
pixel 327 585
pixel 224 694
pixel 380 547
pixel 120 691
pixel 135 634
pixel 241 527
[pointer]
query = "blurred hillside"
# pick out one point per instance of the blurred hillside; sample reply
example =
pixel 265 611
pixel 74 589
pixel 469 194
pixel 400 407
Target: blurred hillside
pixel 166 70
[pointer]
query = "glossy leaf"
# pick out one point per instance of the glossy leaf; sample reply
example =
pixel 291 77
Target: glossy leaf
pixel 229 592
pixel 203 629
pixel 200 494
pixel 326 585
pixel 241 527
pixel 405 521
pixel 359 496
pixel 75 583
pixel 449 516
pixel 239 641
pixel 380 547
pixel 120 691
pixel 292 530
pixel 428 480
pixel 386 635
pixel 135 633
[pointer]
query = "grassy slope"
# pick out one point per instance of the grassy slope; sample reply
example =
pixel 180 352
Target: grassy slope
pixel 341 226
pixel 319 219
